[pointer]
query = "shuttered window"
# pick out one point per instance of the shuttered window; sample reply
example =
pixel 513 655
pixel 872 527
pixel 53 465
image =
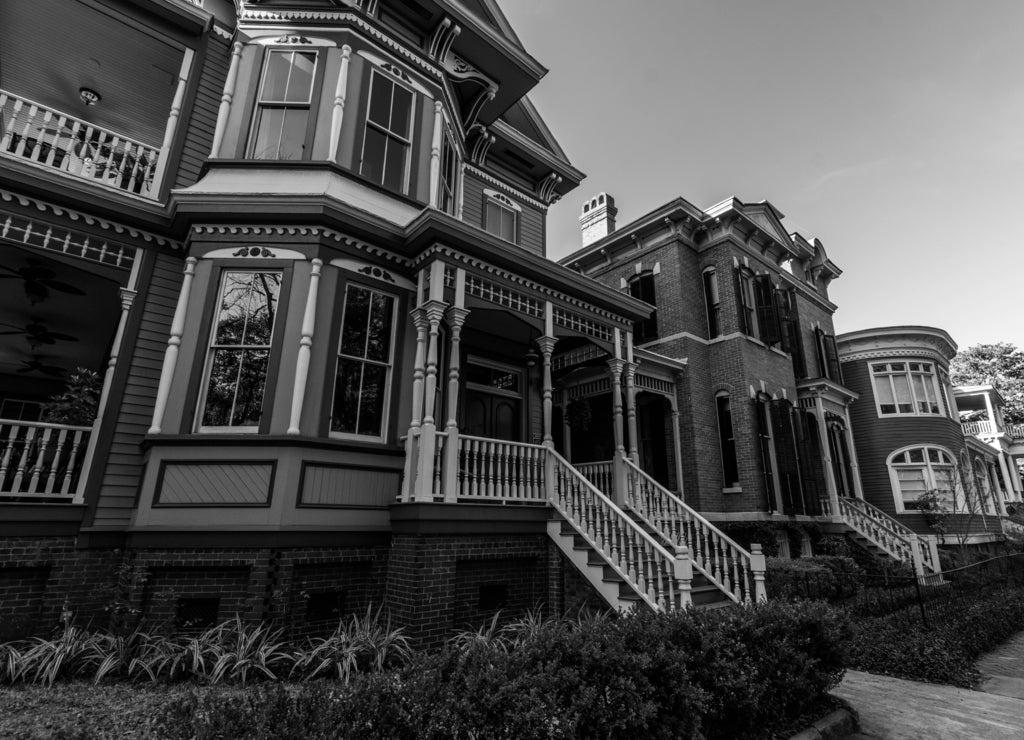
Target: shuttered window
pixel 642 287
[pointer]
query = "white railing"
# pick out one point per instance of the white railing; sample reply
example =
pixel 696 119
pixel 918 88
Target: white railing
pixel 34 132
pixel 1016 431
pixel 977 428
pixel 41 461
pixel 601 474
pixel 491 469
pixel 738 573
pixel 658 576
pixel 885 532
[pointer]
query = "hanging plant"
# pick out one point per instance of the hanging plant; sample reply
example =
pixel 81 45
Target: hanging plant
pixel 579 414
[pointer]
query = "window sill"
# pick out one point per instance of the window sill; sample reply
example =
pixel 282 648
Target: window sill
pixel 733 489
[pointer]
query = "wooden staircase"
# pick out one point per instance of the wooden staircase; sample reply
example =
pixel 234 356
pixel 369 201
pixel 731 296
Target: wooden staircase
pixel 878 533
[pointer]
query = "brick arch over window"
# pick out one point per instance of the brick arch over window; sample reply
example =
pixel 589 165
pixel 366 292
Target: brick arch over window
pixel 919 469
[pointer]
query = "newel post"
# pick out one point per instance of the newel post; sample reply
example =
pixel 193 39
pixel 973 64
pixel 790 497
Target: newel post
pixel 916 557
pixel 683 571
pixel 757 567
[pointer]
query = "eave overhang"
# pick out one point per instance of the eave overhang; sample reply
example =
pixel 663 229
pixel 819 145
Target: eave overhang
pixel 827 389
pixel 896 341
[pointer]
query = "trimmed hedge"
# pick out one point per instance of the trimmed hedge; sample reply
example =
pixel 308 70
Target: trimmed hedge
pixel 733 673
pixel 946 653
pixel 828 577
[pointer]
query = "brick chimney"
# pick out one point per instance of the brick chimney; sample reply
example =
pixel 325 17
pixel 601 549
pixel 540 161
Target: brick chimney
pixel 597 220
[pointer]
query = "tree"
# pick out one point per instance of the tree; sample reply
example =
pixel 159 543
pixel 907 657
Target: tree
pixel 1001 365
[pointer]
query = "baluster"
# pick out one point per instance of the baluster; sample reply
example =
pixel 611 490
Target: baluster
pixel 134 154
pixel 746 584
pixel 55 141
pixel 734 572
pixel 20 150
pixel 52 478
pixel 37 150
pixel 72 465
pixel 5 136
pixel 26 452
pixel 506 472
pixel 37 467
pixel 5 461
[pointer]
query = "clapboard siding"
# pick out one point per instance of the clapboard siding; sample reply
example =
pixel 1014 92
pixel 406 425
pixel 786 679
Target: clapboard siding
pixel 531 219
pixel 876 438
pixel 473 201
pixel 531 229
pixel 203 118
pixel 123 470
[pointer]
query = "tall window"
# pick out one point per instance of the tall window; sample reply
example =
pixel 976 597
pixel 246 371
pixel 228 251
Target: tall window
pixel 387 142
pixel 730 469
pixel 449 175
pixel 767 310
pixel 363 378
pixel 828 356
pixel 501 216
pixel 282 110
pixel 905 388
pixel 745 289
pixel 713 305
pixel 921 469
pixel 789 325
pixel 642 287
pixel 239 356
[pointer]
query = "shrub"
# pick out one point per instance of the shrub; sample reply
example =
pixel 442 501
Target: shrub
pixel 826 577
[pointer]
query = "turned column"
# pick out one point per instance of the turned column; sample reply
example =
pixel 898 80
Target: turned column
pixel 456 317
pixel 173 344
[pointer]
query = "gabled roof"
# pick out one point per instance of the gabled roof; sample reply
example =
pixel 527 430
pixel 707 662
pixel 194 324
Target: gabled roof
pixel 489 12
pixel 525 119
pixel 763 215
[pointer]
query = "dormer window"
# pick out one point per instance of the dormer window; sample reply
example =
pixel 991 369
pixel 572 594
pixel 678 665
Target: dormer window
pixel 387 143
pixel 501 216
pixel 282 123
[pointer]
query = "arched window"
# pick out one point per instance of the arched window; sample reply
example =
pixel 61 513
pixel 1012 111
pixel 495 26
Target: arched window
pixel 915 471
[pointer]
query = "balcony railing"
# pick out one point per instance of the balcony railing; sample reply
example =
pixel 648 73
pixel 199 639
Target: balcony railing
pixel 41 461
pixel 1016 431
pixel 49 138
pixel 494 470
pixel 977 428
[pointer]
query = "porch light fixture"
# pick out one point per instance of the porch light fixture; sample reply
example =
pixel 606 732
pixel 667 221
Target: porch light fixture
pixel 89 96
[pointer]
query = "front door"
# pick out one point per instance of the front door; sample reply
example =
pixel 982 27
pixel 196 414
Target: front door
pixel 493 405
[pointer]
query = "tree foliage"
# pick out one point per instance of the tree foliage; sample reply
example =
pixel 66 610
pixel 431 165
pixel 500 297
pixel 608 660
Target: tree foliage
pixel 1001 365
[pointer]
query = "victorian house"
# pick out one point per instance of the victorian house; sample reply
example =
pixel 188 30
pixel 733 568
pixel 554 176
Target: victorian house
pixel 285 261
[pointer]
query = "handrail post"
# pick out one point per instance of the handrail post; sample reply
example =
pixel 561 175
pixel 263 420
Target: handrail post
pixel 915 555
pixel 757 567
pixel 683 571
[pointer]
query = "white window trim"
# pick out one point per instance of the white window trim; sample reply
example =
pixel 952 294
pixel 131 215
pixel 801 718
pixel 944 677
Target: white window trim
pixel 386 410
pixel 930 483
pixel 259 104
pixel 936 388
pixel 506 203
pixel 208 363
pixel 367 123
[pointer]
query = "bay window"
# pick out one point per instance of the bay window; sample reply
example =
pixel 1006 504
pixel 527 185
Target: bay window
pixel 239 352
pixel 919 470
pixel 365 357
pixel 282 122
pixel 387 140
pixel 905 388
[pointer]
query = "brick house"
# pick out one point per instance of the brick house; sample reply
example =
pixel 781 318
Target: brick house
pixel 302 247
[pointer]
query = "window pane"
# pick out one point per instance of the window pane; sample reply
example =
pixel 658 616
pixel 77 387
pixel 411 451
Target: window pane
pixel 268 133
pixel 897 366
pixel 492 218
pixel 371 399
pixel 380 100
pixel 904 402
pixel 345 411
pixel 252 378
pixel 293 134
pixel 879 368
pixel 300 82
pixel 353 332
pixel 378 344
pixel 508 225
pixel 374 148
pixel 275 78
pixel 883 390
pixel 916 455
pixel 262 308
pixel 220 389
pixel 394 165
pixel 401 110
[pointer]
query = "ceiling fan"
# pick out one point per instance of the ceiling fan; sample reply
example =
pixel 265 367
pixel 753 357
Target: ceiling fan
pixel 35 365
pixel 39 280
pixel 37 333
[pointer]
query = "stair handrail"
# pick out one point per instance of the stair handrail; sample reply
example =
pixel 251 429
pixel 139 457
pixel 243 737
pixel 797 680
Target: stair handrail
pixel 722 560
pixel 904 539
pixel 654 573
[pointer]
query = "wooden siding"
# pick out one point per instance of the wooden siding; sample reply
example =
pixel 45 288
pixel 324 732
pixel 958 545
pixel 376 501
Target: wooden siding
pixel 334 485
pixel 876 438
pixel 203 118
pixel 532 221
pixel 223 484
pixel 123 471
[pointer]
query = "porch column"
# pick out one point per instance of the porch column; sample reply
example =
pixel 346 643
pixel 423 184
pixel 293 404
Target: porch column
pixel 630 370
pixel 547 345
pixel 851 450
pixel 305 348
pixel 434 308
pixel 171 130
pixel 991 413
pixel 225 100
pixel 456 317
pixel 419 320
pixel 340 92
pixel 1005 468
pixel 566 427
pixel 826 456
pixel 173 343
pixel 618 466
pixel 127 295
pixel 998 494
pixel 677 447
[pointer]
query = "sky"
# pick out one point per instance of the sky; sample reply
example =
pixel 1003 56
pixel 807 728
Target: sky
pixel 891 130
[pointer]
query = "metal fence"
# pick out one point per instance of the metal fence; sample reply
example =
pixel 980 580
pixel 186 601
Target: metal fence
pixel 928 599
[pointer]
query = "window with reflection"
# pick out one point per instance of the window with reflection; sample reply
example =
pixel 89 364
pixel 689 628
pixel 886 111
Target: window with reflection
pixel 905 388
pixel 387 140
pixel 282 120
pixel 919 470
pixel 363 378
pixel 239 354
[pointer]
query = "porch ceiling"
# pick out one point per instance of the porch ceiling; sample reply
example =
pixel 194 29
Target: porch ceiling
pixel 51 48
pixel 53 315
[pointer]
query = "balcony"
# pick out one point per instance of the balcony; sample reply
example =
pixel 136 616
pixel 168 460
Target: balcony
pixel 978 428
pixel 49 138
pixel 41 462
